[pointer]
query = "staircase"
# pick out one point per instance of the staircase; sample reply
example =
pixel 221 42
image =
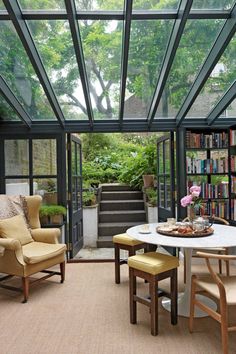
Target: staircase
pixel 120 208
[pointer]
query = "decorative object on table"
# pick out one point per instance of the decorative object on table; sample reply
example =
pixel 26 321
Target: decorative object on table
pixel 183 230
pixel 192 201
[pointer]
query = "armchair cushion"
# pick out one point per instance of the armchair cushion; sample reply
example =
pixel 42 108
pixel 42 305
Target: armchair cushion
pixel 36 252
pixel 16 228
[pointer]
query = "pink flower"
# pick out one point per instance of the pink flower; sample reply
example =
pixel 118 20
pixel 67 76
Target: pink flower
pixel 187 200
pixel 195 191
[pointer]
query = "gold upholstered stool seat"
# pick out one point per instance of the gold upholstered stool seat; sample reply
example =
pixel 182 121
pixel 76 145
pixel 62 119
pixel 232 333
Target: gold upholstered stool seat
pixel 124 242
pixel 152 267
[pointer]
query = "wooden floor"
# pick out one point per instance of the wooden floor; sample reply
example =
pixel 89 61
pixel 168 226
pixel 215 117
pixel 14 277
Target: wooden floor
pixel 89 314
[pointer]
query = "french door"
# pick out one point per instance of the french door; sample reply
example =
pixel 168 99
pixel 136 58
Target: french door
pixel 166 177
pixel 75 195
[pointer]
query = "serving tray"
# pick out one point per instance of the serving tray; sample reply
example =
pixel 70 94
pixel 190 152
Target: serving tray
pixel 175 233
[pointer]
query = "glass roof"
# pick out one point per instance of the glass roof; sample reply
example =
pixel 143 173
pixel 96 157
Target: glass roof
pixel 117 65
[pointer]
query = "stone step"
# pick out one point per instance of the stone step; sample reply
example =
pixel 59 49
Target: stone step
pixel 118 216
pixel 121 195
pixel 106 229
pixel 115 187
pixel 105 242
pixel 121 205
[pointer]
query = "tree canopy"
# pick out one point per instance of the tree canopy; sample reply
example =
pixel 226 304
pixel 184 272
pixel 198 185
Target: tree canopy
pixel 102 47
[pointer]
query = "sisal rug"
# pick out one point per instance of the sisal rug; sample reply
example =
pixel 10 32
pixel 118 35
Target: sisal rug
pixel 89 314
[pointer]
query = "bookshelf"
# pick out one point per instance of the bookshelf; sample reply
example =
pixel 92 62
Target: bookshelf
pixel 207 165
pixel 232 164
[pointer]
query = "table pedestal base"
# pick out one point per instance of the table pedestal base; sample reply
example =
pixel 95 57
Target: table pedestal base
pixel 183 305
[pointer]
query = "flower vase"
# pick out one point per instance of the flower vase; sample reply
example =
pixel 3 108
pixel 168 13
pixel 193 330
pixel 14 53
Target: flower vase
pixel 191 214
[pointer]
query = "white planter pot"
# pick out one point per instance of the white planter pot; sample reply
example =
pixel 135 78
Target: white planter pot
pixel 90 226
pixel 151 214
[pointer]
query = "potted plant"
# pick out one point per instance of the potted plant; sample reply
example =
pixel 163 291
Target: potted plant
pixel 151 205
pixel 50 192
pixel 52 214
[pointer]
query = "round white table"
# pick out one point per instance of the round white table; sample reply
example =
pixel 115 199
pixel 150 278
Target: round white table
pixel 223 236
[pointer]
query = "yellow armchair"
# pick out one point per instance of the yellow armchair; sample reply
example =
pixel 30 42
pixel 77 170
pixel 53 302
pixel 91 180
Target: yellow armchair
pixel 24 252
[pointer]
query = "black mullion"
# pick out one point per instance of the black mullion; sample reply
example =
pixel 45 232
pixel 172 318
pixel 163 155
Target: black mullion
pixel 213 57
pixel 2 169
pixel 30 142
pixel 177 31
pixel 75 33
pixel 224 102
pixel 23 32
pixel 125 55
pixel 14 102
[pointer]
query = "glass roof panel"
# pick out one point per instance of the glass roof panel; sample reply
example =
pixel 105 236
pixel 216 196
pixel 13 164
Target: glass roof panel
pixel 54 42
pixel 42 4
pixel 2 7
pixel 6 112
pixel 196 41
pixel 18 72
pixel 90 5
pixel 155 4
pixel 219 81
pixel 212 4
pixel 231 110
pixel 148 41
pixel 102 46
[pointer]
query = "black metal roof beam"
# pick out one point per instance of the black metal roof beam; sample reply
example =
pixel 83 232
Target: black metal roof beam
pixel 183 12
pixel 224 102
pixel 125 55
pixel 213 57
pixel 75 33
pixel 117 15
pixel 14 102
pixel 24 33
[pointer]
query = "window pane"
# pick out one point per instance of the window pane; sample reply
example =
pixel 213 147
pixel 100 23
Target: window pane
pixel 19 74
pixel 16 157
pixel 167 157
pixel 212 4
pixel 6 112
pixel 44 157
pixel 231 110
pixel 167 193
pixel 17 186
pixel 196 41
pixel 155 5
pixel 160 158
pixel 99 5
pixel 148 43
pixel 2 7
pixel 161 186
pixel 54 42
pixel 219 81
pixel 47 188
pixel 102 53
pixel 42 5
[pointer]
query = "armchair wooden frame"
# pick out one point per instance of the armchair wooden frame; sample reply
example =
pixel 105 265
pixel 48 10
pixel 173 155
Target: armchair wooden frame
pixel 222 315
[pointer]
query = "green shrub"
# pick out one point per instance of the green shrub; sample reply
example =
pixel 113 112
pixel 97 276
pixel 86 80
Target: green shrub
pixel 50 210
pixel 151 196
pixel 89 198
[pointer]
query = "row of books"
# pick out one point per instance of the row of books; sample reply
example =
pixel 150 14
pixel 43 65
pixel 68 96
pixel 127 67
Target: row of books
pixel 232 137
pixel 194 165
pixel 201 140
pixel 217 208
pixel 233 163
pixel 233 209
pixel 209 190
pixel 233 184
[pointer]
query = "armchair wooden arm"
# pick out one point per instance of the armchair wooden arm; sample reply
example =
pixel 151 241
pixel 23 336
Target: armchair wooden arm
pixel 46 235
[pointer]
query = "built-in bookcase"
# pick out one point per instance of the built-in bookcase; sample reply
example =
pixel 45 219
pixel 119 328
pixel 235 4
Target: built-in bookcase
pixel 232 166
pixel 207 165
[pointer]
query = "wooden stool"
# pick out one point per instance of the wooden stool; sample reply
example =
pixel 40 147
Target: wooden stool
pixel 124 242
pixel 152 267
